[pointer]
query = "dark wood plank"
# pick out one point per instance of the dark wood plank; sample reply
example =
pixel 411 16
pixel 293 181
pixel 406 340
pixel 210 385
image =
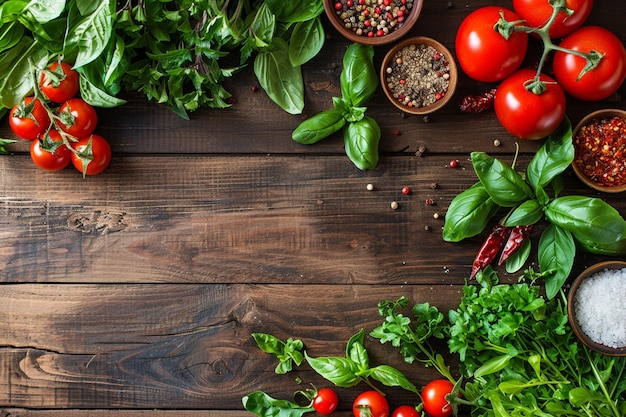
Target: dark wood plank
pixel 181 346
pixel 235 219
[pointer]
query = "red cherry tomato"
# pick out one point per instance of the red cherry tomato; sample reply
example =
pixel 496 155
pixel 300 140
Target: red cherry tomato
pixel 49 153
pixel 603 80
pixel 370 404
pixel 405 411
pixel 326 401
pixel 434 398
pixel 59 84
pixel 482 52
pixel 28 119
pixel 96 148
pixel 537 12
pixel 527 115
pixel 78 118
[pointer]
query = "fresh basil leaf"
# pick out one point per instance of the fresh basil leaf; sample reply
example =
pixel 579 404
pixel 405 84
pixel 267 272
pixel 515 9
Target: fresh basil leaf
pixel 295 10
pixel 97 97
pixel 10 35
pixel 86 7
pixel 556 257
pixel 264 405
pixel 518 259
pixel 5 142
pixel 16 81
pixel 492 366
pixel 468 213
pixel 307 40
pixel 361 142
pixel 281 81
pixel 342 372
pixel 591 219
pixel 263 27
pixel 358 79
pixel 45 11
pixel 529 212
pixel 505 186
pixel 554 156
pixel 92 33
pixel 355 350
pixel 319 126
pixel 391 377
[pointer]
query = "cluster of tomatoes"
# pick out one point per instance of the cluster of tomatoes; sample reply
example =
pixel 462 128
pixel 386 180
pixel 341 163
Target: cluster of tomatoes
pixel 588 63
pixel 374 404
pixel 60 124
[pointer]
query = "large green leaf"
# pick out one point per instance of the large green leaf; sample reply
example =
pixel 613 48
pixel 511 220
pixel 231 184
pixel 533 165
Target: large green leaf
pixel 281 81
pixel 16 81
pixel 306 40
pixel 92 33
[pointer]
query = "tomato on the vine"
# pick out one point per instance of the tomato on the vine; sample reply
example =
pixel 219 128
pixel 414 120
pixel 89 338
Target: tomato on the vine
pixel 537 12
pixel 29 118
pixel 78 118
pixel 600 82
pixel 94 155
pixel 434 398
pixel 405 411
pixel 370 404
pixel 325 401
pixel 49 152
pixel 525 114
pixel 483 53
pixel 59 83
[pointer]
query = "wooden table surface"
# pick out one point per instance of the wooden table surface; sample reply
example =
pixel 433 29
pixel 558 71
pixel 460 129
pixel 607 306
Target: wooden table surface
pixel 135 292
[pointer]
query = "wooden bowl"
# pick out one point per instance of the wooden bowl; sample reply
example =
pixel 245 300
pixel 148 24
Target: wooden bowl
pixel 393 35
pixel 571 308
pixel 387 71
pixel 600 114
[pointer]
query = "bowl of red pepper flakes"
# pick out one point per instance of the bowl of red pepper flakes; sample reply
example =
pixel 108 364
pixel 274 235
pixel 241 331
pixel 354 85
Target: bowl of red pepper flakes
pixel 600 150
pixel 373 22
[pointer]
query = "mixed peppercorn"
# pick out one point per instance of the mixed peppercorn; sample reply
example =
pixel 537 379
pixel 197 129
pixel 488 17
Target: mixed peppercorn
pixel 418 76
pixel 373 18
pixel 600 147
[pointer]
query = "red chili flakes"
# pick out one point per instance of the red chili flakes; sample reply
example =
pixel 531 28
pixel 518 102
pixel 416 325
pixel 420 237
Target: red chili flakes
pixel 600 148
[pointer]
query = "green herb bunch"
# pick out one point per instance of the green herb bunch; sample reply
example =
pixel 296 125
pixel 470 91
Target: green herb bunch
pixel 574 221
pixel 176 52
pixel 361 133
pixel 518 354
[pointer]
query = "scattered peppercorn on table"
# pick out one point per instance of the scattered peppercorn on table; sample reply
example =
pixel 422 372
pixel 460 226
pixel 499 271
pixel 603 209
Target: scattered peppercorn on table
pixel 135 292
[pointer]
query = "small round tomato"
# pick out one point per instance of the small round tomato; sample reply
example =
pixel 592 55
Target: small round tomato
pixel 483 53
pixel 29 118
pixel 525 114
pixel 59 83
pixel 434 398
pixel 50 153
pixel 405 411
pixel 325 401
pixel 370 404
pixel 78 118
pixel 537 12
pixel 94 155
pixel 599 82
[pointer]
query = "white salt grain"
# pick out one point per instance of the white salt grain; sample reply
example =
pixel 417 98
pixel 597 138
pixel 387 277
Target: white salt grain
pixel 600 307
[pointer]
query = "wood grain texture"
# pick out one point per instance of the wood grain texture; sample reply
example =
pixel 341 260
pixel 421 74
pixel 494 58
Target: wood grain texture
pixel 135 293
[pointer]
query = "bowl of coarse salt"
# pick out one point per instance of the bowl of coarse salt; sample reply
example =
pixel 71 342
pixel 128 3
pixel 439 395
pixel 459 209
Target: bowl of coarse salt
pixel 596 307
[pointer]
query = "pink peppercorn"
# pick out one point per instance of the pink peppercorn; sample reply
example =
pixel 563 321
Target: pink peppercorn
pixel 338 6
pixel 406 190
pixel 454 163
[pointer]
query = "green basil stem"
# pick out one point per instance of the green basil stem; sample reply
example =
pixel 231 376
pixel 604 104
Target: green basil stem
pixel 536 86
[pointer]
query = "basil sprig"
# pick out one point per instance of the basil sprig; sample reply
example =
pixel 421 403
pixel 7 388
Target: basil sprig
pixel 590 223
pixel 359 82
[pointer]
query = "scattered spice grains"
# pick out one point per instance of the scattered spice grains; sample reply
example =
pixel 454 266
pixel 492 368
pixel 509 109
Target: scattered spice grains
pixel 373 18
pixel 418 76
pixel 600 309
pixel 600 146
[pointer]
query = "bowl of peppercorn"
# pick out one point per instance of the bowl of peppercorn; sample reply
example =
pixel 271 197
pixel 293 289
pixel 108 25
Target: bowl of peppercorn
pixel 600 150
pixel 373 22
pixel 419 75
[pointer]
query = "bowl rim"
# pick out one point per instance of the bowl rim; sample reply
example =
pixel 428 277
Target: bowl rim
pixel 593 269
pixel 608 112
pixel 382 40
pixel 420 40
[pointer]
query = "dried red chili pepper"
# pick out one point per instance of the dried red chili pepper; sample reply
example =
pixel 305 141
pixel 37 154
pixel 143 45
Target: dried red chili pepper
pixel 478 103
pixel 490 248
pixel 518 235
